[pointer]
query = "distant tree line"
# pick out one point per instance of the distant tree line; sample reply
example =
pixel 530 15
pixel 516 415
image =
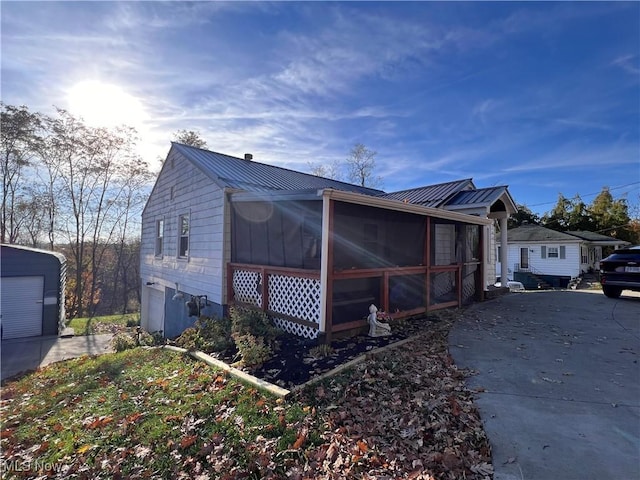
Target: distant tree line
pixel 79 190
pixel 605 215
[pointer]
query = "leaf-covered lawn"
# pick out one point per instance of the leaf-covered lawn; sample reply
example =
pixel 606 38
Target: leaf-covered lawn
pixel 153 413
pixel 103 324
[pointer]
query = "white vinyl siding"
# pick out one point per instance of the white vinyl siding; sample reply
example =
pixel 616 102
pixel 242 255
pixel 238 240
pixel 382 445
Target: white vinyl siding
pixel 203 200
pixel 567 262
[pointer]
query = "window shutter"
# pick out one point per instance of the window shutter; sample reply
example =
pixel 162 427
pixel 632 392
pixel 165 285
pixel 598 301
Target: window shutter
pixel 563 251
pixel 543 252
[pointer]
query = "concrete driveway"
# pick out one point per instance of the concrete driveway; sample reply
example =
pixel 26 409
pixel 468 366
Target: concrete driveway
pixel 558 383
pixel 25 354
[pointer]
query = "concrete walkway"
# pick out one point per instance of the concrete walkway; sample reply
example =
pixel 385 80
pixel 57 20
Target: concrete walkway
pixel 558 383
pixel 25 354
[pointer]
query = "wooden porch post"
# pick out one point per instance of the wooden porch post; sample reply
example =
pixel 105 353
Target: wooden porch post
pixel 326 269
pixel 427 262
pixel 481 276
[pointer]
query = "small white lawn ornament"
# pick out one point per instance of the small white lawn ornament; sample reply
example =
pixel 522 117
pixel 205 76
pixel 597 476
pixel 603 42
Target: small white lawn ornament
pixel 377 328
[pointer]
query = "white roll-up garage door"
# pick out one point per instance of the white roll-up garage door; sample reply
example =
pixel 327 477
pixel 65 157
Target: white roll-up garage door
pixel 156 310
pixel 21 306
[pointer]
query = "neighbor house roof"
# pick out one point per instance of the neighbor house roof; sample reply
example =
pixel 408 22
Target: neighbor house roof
pixel 536 233
pixel 431 195
pixel 597 238
pixel 250 175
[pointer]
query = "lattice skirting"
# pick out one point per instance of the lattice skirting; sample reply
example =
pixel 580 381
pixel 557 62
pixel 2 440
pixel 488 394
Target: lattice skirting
pixel 297 297
pixel 469 283
pixel 247 287
pixel 295 328
pixel 442 286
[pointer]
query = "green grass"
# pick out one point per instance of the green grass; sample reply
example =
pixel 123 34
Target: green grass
pixel 104 324
pixel 138 413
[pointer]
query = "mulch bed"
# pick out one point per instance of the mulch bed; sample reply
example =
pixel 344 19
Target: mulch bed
pixel 293 363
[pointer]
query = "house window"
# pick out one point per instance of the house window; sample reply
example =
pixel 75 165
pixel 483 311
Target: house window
pixel 552 252
pixel 183 237
pixel 159 237
pixel 584 256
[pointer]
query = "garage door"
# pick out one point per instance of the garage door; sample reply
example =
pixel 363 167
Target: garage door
pixel 21 306
pixel 156 310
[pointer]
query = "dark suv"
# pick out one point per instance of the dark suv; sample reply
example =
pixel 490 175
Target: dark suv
pixel 620 271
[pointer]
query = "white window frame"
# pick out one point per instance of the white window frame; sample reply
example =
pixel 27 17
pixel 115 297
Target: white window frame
pixel 553 252
pixel 159 245
pixel 181 235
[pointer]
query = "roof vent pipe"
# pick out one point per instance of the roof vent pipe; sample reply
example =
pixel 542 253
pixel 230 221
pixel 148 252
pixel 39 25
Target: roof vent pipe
pixel 248 156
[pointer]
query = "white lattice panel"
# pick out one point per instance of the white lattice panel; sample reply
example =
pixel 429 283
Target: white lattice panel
pixel 441 283
pixel 469 283
pixel 247 287
pixel 297 297
pixel 295 328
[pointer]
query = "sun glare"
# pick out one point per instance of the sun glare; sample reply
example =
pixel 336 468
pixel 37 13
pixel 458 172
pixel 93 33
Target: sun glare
pixel 104 105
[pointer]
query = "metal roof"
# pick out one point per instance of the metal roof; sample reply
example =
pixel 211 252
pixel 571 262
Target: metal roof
pixel 234 172
pixel 39 251
pixel 478 197
pixel 432 195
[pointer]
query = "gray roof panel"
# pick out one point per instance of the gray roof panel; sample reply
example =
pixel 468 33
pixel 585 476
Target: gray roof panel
pixel 595 237
pixel 536 233
pixel 431 195
pixel 250 175
pixel 478 197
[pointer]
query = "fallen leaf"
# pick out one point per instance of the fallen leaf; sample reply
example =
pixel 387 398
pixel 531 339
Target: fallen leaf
pixel 83 449
pixel 188 440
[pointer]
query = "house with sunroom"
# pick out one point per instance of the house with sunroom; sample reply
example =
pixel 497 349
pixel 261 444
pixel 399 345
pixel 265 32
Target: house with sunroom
pixel 311 252
pixel 539 257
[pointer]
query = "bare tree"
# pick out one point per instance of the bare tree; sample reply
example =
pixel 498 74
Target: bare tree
pixel 96 175
pixel 190 137
pixel 326 170
pixel 361 164
pixel 19 139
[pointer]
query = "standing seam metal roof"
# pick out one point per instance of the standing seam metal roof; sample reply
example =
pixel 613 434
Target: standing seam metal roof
pixel 432 195
pixel 250 175
pixel 480 196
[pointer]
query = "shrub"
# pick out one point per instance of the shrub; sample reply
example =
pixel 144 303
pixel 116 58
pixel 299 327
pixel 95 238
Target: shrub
pixel 123 341
pixel 132 322
pixel 190 339
pixel 216 332
pixel 256 338
pixel 321 351
pixel 151 339
pixel 209 334
pixel 253 349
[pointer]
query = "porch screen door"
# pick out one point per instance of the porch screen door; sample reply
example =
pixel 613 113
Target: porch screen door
pixel 524 258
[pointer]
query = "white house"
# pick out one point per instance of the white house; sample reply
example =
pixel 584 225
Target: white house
pixel 540 257
pixel 311 252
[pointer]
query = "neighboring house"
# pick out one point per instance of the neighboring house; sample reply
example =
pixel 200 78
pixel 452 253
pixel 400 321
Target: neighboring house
pixel 311 252
pixel 540 257
pixel 32 287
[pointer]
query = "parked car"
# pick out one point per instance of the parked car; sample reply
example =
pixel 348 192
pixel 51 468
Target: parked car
pixel 620 271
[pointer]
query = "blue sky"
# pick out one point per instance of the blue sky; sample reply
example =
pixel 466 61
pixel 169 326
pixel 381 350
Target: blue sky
pixel 543 97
